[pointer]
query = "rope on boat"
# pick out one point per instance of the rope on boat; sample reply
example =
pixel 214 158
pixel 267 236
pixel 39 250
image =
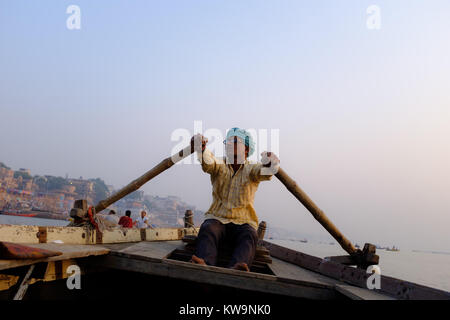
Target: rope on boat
pixel 91 218
pixel 191 225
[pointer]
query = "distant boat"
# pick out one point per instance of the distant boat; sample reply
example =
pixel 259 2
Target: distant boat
pixel 392 249
pixel 17 213
pixel 34 214
pixel 304 241
pixel 331 243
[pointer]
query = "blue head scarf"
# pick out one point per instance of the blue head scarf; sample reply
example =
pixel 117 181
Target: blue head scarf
pixel 245 136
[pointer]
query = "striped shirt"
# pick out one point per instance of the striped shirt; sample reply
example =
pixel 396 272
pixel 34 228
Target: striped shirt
pixel 233 193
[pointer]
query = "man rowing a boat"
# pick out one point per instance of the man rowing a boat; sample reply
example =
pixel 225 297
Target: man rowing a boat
pixel 231 217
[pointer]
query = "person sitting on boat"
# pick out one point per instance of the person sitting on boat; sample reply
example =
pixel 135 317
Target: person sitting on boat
pixel 112 217
pixel 106 221
pixel 231 217
pixel 126 221
pixel 143 222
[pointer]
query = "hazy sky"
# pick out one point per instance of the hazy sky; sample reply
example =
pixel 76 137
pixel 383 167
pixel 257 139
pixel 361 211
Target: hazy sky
pixel 363 114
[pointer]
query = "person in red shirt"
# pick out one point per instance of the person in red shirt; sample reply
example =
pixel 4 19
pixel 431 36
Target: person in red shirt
pixel 125 221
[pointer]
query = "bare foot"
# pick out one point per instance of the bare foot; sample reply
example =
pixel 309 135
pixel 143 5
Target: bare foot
pixel 241 266
pixel 197 260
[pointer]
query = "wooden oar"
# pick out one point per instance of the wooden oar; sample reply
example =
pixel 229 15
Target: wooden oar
pixel 289 183
pixel 136 184
pixel 318 214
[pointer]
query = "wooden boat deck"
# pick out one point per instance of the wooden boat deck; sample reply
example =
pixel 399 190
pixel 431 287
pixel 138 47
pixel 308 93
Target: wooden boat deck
pixel 152 257
pixel 68 252
pixel 156 253
pixel 287 279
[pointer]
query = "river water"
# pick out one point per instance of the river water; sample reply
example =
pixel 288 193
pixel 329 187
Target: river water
pixel 5 219
pixel 426 268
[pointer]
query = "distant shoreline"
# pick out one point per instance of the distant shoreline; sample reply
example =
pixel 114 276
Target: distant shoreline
pixel 433 252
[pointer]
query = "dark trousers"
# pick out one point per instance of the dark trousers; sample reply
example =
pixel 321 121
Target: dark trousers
pixel 241 238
